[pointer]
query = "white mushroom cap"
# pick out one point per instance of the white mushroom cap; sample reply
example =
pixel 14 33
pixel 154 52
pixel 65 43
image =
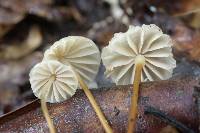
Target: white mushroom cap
pixel 147 41
pixel 78 52
pixel 53 81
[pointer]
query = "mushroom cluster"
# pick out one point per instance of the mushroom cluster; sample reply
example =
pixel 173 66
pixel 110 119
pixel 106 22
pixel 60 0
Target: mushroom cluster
pixel 73 55
pixel 70 62
pixel 140 54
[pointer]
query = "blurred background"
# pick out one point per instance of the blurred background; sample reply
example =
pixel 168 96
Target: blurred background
pixel 29 27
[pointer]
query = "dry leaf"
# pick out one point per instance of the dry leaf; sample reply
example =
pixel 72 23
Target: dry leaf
pixel 17 71
pixel 42 8
pixel 186 42
pixel 8 19
pixel 18 50
pixel 195 21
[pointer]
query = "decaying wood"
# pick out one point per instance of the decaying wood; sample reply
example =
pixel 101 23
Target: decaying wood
pixel 167 119
pixel 197 100
pixel 175 97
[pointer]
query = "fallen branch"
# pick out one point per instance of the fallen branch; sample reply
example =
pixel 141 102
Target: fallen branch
pixel 175 97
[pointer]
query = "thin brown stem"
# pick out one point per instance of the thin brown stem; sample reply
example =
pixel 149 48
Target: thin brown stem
pixel 47 116
pixel 95 106
pixel 139 63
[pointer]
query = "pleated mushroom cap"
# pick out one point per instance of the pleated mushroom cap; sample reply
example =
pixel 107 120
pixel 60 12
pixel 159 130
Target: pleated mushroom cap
pixel 78 52
pixel 53 81
pixel 147 41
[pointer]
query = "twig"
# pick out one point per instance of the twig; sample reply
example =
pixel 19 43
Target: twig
pixel 167 119
pixel 187 13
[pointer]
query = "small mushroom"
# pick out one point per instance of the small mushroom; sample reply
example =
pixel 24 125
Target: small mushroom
pixel 83 56
pixel 140 54
pixel 78 52
pixel 53 82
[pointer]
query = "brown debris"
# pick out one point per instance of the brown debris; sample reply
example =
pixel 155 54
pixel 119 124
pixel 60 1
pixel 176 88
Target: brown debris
pixel 197 100
pixel 179 7
pixel 195 20
pixel 102 35
pixel 169 129
pixel 187 42
pixel 16 50
pixel 24 6
pixel 16 72
pixel 8 19
pixel 42 8
pixel 76 115
pixel 8 97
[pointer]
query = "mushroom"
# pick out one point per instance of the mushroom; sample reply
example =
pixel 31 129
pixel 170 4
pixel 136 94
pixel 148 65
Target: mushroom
pixel 140 54
pixel 82 55
pixel 53 82
pixel 78 52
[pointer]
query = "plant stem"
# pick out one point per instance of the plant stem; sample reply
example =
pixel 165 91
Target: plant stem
pixel 95 106
pixel 139 63
pixel 47 116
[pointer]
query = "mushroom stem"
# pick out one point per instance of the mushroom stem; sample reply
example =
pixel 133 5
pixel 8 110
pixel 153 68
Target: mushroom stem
pixel 95 106
pixel 139 63
pixel 47 116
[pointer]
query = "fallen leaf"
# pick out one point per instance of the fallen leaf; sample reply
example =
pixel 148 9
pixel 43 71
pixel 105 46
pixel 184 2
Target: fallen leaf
pixel 16 50
pixel 195 21
pixel 16 71
pixel 179 7
pixel 8 19
pixel 23 6
pixel 9 93
pixel 186 42
pixel 42 8
pixel 184 9
pixel 101 32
